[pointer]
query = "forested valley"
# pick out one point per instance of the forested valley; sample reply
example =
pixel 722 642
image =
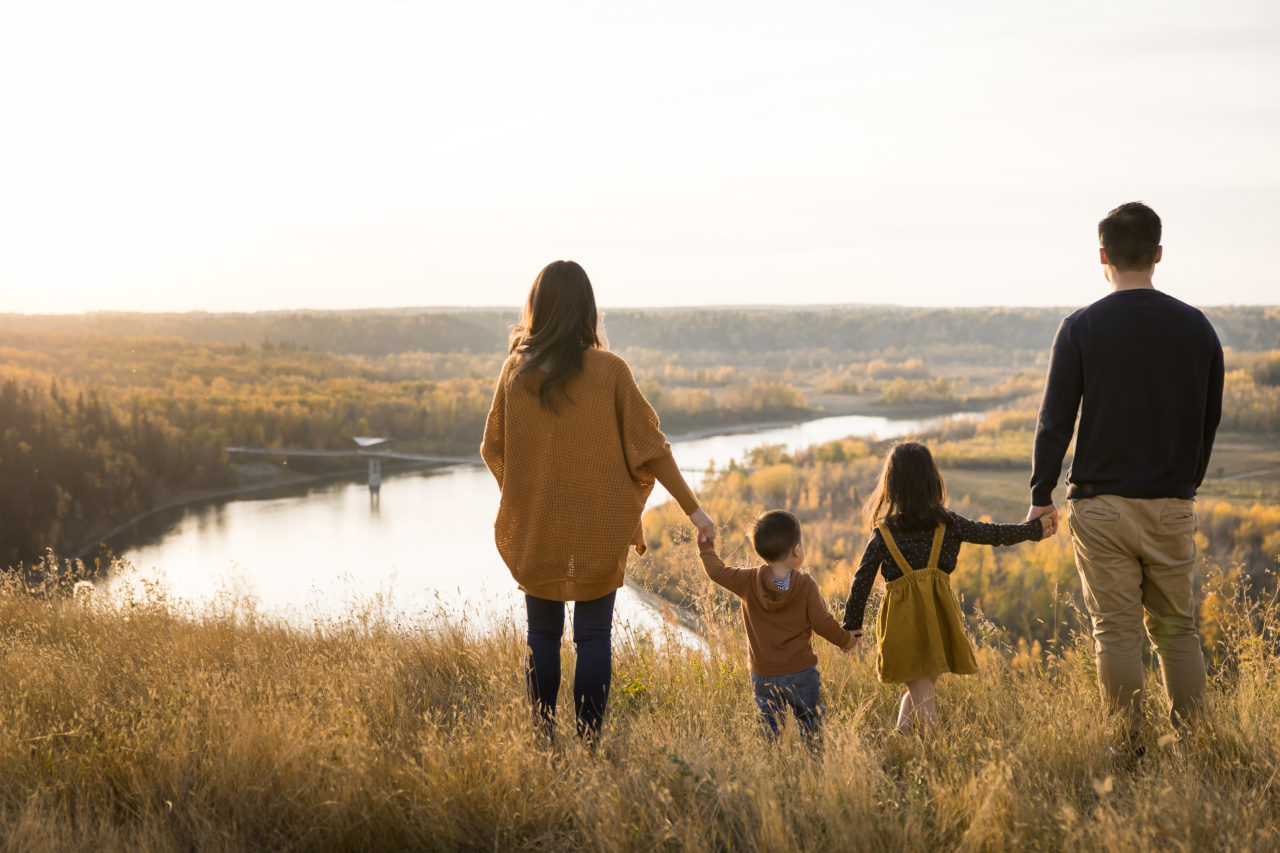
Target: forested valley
pixel 105 416
pixel 986 464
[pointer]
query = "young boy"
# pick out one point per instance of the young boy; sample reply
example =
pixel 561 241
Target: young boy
pixel 781 607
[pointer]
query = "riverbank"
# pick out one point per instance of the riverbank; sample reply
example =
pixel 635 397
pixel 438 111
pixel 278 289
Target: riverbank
pixel 685 617
pixel 309 550
pixel 282 481
pixel 740 429
pixel 264 481
pixel 872 406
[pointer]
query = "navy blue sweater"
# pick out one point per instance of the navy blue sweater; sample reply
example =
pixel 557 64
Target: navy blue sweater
pixel 1145 372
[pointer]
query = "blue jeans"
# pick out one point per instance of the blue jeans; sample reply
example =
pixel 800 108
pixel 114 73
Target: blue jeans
pixel 592 626
pixel 799 691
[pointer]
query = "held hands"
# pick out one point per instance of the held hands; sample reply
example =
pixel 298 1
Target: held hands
pixel 705 525
pixel 1048 516
pixel 853 644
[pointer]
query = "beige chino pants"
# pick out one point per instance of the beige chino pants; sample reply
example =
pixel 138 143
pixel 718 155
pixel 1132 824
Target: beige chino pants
pixel 1134 556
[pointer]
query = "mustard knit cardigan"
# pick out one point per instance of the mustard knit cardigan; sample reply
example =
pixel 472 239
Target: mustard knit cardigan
pixel 574 483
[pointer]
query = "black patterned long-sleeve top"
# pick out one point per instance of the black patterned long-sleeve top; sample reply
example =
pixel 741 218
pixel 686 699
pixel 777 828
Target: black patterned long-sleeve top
pixel 915 544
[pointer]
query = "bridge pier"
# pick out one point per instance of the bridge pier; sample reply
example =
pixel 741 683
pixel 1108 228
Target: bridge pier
pixel 368 448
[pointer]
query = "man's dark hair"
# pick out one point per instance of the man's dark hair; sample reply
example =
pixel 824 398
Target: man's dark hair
pixel 1130 234
pixel 775 534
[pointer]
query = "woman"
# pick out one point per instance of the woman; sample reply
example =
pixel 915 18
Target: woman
pixel 575 448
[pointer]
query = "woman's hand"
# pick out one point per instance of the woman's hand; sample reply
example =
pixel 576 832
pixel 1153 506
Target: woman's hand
pixel 706 527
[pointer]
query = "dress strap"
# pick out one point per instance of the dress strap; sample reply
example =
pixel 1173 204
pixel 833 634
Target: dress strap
pixel 936 551
pixel 893 548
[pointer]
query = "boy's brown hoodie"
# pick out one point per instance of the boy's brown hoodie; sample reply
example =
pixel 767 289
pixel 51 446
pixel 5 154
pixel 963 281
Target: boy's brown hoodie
pixel 780 623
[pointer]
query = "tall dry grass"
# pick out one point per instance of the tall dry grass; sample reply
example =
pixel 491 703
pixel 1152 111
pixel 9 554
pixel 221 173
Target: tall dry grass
pixel 129 726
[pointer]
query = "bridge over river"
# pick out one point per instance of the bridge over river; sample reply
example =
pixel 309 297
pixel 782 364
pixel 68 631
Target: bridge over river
pixel 319 553
pixel 372 449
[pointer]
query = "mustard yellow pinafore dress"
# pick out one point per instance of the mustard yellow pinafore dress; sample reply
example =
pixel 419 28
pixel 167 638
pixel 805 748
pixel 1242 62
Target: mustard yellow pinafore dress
pixel 920 628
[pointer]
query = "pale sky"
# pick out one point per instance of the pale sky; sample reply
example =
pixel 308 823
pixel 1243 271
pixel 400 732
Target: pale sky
pixel 242 156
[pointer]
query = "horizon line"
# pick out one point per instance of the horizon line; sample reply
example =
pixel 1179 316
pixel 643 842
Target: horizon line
pixel 445 309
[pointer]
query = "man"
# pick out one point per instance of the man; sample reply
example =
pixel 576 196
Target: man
pixel 1145 371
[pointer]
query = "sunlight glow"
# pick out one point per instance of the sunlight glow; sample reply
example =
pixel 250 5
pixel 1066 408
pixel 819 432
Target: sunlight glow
pixel 240 156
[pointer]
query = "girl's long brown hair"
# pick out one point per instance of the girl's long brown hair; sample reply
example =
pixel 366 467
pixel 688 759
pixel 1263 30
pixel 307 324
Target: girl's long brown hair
pixel 910 490
pixel 559 322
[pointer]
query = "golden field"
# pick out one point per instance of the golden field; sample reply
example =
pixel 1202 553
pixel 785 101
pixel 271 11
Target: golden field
pixel 132 726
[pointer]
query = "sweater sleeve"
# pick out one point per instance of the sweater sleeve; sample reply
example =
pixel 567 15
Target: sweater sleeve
pixel 737 581
pixel 821 620
pixel 492 446
pixel 1057 418
pixel 1212 407
pixel 875 554
pixel 642 438
pixel 984 533
pixel 668 473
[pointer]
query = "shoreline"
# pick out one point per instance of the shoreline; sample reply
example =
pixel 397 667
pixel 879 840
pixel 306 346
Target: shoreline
pixel 893 413
pixel 84 547
pixel 231 493
pixel 740 429
pixel 686 618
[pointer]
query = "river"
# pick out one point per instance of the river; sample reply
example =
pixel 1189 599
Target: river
pixel 423 550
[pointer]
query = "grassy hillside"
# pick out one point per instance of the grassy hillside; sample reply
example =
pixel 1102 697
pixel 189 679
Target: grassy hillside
pixel 129 727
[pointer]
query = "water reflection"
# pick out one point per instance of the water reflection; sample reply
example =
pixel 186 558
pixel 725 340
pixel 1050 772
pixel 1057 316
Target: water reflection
pixel 326 551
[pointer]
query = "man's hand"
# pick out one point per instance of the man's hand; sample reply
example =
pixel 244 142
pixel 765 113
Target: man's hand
pixel 706 526
pixel 1048 516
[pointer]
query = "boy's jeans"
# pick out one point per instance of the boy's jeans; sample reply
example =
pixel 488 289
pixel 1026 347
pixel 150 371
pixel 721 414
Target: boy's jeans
pixel 1137 559
pixel 800 691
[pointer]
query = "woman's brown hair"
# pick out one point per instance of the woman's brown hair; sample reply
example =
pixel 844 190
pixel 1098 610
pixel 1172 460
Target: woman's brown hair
pixel 910 490
pixel 559 322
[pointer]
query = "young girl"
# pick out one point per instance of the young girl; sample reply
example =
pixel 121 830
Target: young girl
pixel 914 545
